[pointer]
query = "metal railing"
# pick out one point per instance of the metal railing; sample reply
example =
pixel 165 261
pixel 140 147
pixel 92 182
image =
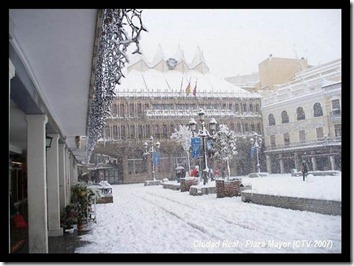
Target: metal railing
pixel 303 144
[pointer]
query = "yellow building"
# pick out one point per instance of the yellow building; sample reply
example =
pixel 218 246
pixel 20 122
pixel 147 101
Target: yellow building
pixel 302 121
pixel 274 71
pixel 156 97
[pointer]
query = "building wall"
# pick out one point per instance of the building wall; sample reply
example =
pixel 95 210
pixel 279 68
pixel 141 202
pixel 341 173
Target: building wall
pixel 315 139
pixel 274 71
pixel 135 119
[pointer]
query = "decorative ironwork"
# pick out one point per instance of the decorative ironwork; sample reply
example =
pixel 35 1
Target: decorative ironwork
pixel 113 43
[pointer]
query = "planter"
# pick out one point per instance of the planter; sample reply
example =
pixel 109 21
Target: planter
pixel 69 230
pixel 80 227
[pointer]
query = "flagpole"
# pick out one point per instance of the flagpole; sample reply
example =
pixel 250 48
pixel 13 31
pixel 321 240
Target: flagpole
pixel 180 90
pixel 188 89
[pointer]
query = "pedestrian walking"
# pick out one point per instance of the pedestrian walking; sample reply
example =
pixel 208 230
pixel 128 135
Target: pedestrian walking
pixel 211 174
pixel 304 169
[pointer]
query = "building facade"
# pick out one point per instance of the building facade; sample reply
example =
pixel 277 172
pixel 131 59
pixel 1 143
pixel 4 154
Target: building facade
pixel 156 97
pixel 275 70
pixel 302 121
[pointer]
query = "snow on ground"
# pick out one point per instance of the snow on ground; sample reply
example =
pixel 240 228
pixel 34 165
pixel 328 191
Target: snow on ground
pixel 150 219
pixel 315 187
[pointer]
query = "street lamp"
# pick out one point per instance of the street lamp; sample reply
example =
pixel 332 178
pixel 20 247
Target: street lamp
pixel 192 125
pixel 203 133
pixel 256 143
pixel 152 150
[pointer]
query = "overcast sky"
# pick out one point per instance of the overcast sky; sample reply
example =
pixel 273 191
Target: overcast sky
pixel 235 41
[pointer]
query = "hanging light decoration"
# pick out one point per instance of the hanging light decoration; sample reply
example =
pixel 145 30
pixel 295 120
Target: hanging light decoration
pixel 113 43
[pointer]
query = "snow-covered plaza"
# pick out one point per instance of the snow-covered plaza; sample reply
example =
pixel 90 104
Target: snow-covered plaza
pixel 150 219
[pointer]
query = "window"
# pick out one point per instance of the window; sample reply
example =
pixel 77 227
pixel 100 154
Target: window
pixel 338 130
pixel 257 108
pixel 135 166
pixel 148 131
pixel 284 117
pixel 131 110
pixel 300 113
pixel 302 136
pixel 238 127
pixel 132 131
pixel 157 131
pixel 106 132
pixel 140 110
pixel 244 107
pixel 115 132
pixel 172 128
pixel 119 135
pixel 246 126
pixel 164 131
pixel 319 133
pixel 271 119
pixel 253 128
pixel 259 130
pixel 114 110
pixel 317 110
pixel 251 107
pixel 140 132
pixel 237 107
pixel 286 139
pixel 335 107
pixel 123 132
pixel 122 110
pixel 272 141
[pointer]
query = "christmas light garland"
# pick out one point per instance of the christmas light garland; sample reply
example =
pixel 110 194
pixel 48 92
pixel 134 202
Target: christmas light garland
pixel 113 43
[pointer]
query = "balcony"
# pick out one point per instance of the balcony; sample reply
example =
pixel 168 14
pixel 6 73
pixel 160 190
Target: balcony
pixel 182 113
pixel 322 142
pixel 336 116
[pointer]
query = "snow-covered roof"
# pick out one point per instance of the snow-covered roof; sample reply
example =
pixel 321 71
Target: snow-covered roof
pixel 169 77
pixel 173 83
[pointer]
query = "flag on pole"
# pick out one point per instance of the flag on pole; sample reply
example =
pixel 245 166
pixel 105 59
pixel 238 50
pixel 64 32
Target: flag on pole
pixel 195 143
pixel 156 158
pixel 180 90
pixel 195 89
pixel 188 89
pixel 252 152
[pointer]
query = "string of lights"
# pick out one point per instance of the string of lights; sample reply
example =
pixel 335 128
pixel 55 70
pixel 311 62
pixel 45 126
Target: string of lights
pixel 113 43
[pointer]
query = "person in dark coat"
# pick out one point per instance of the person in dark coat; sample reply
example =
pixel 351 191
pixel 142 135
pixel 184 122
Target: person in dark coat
pixel 178 175
pixel 304 170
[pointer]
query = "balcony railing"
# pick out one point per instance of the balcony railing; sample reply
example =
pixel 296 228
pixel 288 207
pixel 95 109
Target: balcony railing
pixel 306 144
pixel 187 113
pixel 336 113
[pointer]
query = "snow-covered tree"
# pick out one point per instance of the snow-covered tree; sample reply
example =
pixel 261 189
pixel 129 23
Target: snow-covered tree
pixel 183 137
pixel 225 145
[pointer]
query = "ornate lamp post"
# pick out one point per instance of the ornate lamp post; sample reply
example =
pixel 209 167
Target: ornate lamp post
pixel 203 134
pixel 256 143
pixel 192 125
pixel 151 150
